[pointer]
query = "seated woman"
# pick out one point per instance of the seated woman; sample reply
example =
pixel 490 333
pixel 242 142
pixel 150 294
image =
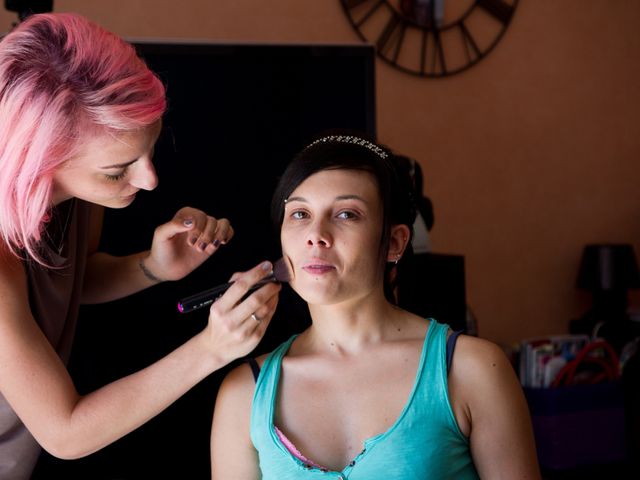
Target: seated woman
pixel 367 391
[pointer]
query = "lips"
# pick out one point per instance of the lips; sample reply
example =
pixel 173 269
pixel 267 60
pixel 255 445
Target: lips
pixel 318 267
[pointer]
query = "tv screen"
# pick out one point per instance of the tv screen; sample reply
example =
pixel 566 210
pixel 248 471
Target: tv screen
pixel 236 116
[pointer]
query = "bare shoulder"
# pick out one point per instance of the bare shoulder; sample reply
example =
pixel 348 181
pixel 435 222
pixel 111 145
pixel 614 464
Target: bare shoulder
pixel 238 382
pixel 232 452
pixel 481 379
pixel 478 360
pixel 491 409
pixel 239 385
pixel 232 411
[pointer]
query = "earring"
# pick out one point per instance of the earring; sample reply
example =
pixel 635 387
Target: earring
pixel 398 257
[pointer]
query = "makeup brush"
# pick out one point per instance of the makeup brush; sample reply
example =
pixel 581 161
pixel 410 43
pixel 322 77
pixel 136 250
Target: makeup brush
pixel 279 274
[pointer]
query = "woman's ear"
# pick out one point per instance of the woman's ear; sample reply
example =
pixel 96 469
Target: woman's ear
pixel 398 241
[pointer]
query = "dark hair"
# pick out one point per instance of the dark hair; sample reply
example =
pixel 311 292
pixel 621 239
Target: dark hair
pixel 423 203
pixel 354 151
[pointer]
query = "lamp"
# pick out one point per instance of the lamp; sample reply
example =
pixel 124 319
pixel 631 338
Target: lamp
pixel 608 271
pixel 608 267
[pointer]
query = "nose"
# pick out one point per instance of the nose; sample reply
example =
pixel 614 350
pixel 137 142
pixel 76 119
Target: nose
pixel 144 176
pixel 319 235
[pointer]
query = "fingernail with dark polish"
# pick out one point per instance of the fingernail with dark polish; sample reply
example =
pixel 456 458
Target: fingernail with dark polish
pixel 202 245
pixel 216 243
pixel 193 240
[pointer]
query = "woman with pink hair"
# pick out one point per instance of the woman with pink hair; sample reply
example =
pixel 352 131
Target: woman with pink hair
pixel 79 116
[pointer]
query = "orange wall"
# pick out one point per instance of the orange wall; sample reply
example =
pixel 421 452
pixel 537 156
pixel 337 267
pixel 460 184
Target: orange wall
pixel 528 155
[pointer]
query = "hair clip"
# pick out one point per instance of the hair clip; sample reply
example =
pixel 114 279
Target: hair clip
pixel 353 141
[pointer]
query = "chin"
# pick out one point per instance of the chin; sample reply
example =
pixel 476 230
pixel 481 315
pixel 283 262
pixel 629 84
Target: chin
pixel 125 201
pixel 306 293
pixel 116 203
pixel 318 295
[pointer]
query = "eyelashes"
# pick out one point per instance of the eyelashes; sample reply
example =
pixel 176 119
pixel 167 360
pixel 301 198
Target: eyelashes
pixel 115 178
pixel 348 215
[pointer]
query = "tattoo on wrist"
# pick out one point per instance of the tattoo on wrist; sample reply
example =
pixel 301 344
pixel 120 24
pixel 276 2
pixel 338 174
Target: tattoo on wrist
pixel 147 272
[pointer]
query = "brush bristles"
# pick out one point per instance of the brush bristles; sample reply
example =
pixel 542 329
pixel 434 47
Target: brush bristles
pixel 281 270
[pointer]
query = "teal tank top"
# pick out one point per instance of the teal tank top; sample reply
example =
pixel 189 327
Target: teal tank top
pixel 424 442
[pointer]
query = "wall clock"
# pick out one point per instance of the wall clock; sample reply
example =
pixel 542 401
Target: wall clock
pixel 431 38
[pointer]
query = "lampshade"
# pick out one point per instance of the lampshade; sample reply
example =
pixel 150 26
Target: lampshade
pixel 608 267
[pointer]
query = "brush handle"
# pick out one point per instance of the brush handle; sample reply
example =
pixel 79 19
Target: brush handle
pixel 207 297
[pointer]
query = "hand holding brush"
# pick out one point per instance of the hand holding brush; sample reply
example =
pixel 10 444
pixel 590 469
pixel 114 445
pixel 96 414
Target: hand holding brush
pixel 279 274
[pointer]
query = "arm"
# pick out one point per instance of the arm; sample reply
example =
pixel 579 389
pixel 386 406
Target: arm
pixel 37 386
pixel 232 452
pixel 491 409
pixel 178 247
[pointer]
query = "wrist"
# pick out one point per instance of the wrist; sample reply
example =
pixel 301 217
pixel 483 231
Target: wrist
pixel 147 272
pixel 212 358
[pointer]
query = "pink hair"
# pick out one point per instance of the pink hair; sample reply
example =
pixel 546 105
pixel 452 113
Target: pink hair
pixel 63 80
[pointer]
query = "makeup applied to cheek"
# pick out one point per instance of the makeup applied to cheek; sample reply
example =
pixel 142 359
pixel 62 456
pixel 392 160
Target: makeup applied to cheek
pixel 287 266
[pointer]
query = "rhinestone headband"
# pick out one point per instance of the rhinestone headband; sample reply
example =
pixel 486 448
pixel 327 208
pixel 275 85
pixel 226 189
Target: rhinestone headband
pixel 352 140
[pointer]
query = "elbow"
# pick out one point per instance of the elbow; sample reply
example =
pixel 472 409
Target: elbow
pixel 64 452
pixel 65 448
pixel 70 434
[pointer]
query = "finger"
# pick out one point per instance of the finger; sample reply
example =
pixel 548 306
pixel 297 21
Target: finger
pixel 185 219
pixel 222 233
pixel 192 216
pixel 242 283
pixel 265 312
pixel 204 226
pixel 207 232
pixel 235 276
pixel 242 317
pixel 255 308
pixel 178 224
pixel 225 231
pixel 261 318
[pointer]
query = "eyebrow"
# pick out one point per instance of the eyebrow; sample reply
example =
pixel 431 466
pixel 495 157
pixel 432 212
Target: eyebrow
pixel 339 197
pixel 119 165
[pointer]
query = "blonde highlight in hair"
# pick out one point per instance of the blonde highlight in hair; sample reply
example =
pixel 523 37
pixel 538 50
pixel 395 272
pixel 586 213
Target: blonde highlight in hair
pixel 63 80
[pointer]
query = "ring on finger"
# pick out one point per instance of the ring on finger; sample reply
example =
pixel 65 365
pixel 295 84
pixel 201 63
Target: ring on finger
pixel 255 317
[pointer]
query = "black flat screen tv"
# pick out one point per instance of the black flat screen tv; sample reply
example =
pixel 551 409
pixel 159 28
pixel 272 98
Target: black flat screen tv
pixel 236 115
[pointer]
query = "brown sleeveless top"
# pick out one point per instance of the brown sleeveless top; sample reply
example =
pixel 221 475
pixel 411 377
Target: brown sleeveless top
pixel 54 297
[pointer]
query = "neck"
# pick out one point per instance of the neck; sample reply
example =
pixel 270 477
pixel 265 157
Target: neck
pixel 351 326
pixel 59 197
